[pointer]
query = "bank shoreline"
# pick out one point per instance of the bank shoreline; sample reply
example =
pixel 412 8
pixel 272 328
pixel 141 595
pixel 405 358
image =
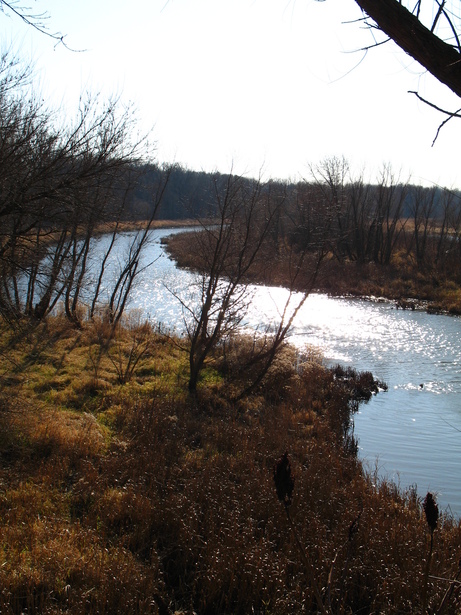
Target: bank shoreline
pixel 404 288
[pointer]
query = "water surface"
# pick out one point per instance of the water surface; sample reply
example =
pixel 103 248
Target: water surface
pixel 412 432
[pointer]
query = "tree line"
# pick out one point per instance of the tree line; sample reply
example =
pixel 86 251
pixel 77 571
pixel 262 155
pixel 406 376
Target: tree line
pixel 270 231
pixel 365 222
pixel 377 222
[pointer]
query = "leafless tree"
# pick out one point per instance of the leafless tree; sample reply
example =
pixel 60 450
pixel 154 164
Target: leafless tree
pixel 422 209
pixel 132 266
pixel 331 177
pixel 387 212
pixel 58 183
pixel 236 244
pixel 453 252
pixel 229 247
pixel 448 202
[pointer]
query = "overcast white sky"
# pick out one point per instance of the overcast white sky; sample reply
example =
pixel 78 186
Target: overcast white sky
pixel 257 84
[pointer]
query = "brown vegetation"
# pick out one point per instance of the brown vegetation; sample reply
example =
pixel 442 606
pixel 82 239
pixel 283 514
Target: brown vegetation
pixel 137 498
pixel 390 239
pixel 401 280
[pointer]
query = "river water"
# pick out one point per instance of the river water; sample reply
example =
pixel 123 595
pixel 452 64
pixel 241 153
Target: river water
pixel 410 433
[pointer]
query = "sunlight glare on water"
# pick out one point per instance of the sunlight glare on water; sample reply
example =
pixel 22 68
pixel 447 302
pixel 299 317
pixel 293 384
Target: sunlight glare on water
pixel 412 432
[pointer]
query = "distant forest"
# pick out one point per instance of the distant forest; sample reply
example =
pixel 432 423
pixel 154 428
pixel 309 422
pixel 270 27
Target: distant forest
pixel 187 194
pixel 190 194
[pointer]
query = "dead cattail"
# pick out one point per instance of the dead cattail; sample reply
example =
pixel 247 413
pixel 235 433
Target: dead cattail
pixel 431 510
pixel 284 481
pixel 284 485
pixel 432 514
pixel 354 527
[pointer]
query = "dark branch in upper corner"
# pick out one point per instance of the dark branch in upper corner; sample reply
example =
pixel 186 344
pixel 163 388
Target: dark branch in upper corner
pixel 34 22
pixel 439 57
pixel 451 114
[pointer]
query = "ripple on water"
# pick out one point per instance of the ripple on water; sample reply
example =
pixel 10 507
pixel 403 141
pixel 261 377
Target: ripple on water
pixel 414 432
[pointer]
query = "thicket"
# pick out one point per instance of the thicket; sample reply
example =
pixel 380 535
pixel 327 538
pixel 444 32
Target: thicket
pixel 62 183
pixel 127 495
pixel 388 239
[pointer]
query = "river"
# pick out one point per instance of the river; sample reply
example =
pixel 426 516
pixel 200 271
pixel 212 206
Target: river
pixel 411 433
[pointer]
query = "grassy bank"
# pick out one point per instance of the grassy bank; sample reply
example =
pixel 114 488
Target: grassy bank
pixel 119 493
pixel 401 281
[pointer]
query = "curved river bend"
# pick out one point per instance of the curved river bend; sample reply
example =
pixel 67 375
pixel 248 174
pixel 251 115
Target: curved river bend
pixel 411 433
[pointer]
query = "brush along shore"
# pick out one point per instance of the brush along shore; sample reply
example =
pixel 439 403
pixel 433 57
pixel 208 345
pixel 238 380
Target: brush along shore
pixel 402 281
pixel 121 493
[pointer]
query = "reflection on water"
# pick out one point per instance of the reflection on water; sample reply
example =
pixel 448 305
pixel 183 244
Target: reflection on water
pixel 412 433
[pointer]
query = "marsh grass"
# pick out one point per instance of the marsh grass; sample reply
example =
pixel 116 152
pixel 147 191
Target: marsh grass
pixel 136 498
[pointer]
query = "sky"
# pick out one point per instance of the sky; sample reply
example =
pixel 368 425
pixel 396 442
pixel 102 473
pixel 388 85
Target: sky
pixel 265 87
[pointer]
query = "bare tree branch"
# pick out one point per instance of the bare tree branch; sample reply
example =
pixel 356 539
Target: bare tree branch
pixel 451 114
pixel 452 27
pixel 36 22
pixel 437 17
pixel 440 58
pixel 434 106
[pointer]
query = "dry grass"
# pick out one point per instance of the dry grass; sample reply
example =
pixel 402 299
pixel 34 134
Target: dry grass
pixel 135 498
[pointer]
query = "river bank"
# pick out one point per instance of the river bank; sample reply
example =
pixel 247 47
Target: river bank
pixel 122 494
pixel 404 348
pixel 139 225
pixel 155 502
pixel 401 282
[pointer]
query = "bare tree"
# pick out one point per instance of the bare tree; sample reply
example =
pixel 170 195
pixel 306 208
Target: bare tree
pixel 387 214
pixel 58 183
pixel 331 176
pixel 232 248
pixel 133 267
pixel 422 209
pixel 229 248
pixel 454 224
